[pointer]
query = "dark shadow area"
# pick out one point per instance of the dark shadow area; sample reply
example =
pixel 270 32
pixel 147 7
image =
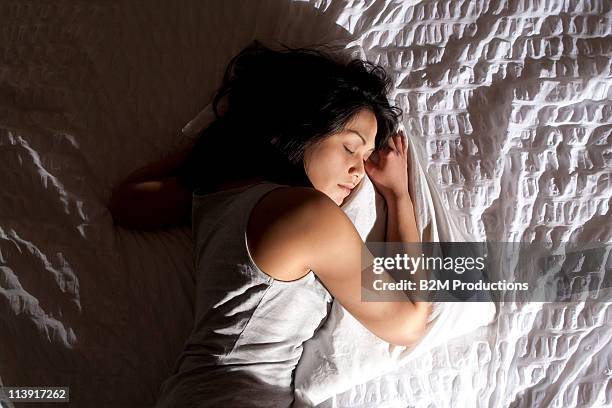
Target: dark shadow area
pixel 121 78
pixel 220 388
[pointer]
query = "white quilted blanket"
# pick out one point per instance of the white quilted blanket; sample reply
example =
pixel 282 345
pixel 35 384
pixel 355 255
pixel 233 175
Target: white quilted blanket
pixel 507 102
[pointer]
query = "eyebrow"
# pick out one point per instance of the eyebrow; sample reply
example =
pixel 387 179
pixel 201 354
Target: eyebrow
pixel 359 134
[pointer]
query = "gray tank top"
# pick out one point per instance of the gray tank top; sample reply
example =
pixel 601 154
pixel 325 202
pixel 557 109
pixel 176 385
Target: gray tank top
pixel 249 327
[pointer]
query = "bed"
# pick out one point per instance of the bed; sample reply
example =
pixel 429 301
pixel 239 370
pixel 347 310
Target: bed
pixel 507 104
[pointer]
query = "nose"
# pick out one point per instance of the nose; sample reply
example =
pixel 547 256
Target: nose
pixel 357 170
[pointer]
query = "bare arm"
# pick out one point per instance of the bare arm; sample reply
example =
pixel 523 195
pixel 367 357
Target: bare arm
pixel 402 228
pixel 335 252
pixel 152 196
pixel 401 221
pixel 390 177
pixel 166 167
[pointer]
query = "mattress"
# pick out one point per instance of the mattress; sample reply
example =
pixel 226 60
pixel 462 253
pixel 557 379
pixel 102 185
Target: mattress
pixel 508 104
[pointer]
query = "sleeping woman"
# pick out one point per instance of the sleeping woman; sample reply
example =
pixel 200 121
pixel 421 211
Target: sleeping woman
pixel 296 130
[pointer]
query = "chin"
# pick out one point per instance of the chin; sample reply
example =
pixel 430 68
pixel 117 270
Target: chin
pixel 337 200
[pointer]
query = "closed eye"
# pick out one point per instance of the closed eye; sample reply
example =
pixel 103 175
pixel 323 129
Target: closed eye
pixel 352 152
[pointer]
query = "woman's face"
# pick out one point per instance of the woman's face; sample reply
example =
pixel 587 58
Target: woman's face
pixel 335 165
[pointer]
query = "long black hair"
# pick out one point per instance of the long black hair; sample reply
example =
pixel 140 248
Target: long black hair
pixel 277 103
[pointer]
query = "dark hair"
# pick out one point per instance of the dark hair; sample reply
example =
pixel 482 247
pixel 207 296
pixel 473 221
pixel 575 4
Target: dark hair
pixel 277 104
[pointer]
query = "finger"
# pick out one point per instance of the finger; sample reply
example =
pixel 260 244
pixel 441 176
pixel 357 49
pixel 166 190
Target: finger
pixel 399 142
pixel 408 159
pixel 392 145
pixel 404 142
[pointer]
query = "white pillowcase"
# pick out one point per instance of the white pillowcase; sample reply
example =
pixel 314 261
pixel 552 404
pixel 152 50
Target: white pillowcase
pixel 202 119
pixel 343 353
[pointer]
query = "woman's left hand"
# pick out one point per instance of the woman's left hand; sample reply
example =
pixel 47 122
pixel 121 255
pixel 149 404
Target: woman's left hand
pixel 390 174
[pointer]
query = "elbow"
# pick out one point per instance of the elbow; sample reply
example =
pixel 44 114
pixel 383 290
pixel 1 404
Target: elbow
pixel 126 209
pixel 116 206
pixel 415 326
pixel 154 204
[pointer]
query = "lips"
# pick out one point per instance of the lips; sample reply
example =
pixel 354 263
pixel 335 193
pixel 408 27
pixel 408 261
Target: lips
pixel 346 187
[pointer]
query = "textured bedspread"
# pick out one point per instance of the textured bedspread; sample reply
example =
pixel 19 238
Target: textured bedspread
pixel 509 105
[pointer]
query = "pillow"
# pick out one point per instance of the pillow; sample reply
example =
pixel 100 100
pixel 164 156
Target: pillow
pixel 343 353
pixel 202 119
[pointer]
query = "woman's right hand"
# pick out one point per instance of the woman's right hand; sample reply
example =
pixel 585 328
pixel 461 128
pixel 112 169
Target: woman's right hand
pixel 390 174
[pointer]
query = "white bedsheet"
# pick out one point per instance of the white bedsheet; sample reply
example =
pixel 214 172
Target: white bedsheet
pixel 508 108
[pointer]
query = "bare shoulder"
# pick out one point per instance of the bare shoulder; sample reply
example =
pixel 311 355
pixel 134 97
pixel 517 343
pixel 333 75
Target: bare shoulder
pixel 283 226
pixel 292 231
